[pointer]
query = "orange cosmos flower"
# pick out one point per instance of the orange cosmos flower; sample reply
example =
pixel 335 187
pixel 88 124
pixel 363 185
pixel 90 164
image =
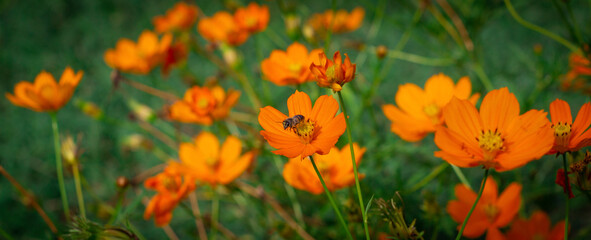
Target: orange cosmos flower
pixel 569 136
pixel 253 18
pixel 419 111
pixel 291 66
pixel 492 211
pixel 496 137
pixel 172 187
pixel 333 74
pixel 207 162
pixel 138 58
pixel 339 23
pixel 203 105
pixel 336 168
pixel 45 94
pixel 222 28
pixel 537 227
pixel 315 131
pixel 180 17
pixel 580 67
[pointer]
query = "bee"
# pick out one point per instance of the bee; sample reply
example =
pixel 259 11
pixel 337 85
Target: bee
pixel 292 122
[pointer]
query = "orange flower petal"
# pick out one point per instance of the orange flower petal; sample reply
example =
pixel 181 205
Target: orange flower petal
pixel 299 103
pixel 508 203
pixel 324 110
pixel 498 108
pixel 440 88
pixel 560 112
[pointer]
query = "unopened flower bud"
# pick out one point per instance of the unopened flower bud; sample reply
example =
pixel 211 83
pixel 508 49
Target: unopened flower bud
pixel 136 141
pixel 142 112
pixel 69 150
pixel 122 182
pixel 381 51
pixel 89 109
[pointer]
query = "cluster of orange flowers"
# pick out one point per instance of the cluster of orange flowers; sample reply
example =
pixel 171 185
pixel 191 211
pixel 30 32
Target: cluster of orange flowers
pixel 340 22
pixel 234 30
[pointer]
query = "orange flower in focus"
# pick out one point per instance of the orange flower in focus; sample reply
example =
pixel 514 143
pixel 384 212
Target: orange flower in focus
pixel 203 105
pixel 172 187
pixel 569 136
pixel 291 66
pixel 175 54
pixel 45 94
pixel 222 28
pixel 419 111
pixel 333 74
pixel 536 228
pixel 492 211
pixel 180 17
pixel 336 168
pixel 207 162
pixel 340 23
pixel 496 137
pixel 317 132
pixel 138 58
pixel 253 18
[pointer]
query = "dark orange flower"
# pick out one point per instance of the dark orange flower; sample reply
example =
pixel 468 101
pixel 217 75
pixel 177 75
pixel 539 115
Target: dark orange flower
pixel 45 94
pixel 537 227
pixel 180 17
pixel 317 132
pixel 172 187
pixel 203 105
pixel 492 211
pixel 291 66
pixel 419 111
pixel 138 58
pixel 175 54
pixel 569 136
pixel 339 23
pixel 336 168
pixel 221 27
pixel 207 162
pixel 496 137
pixel 333 74
pixel 253 18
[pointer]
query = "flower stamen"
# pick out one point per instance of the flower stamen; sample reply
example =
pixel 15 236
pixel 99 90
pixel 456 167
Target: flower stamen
pixel 305 130
pixel 562 133
pixel 491 144
pixel 433 112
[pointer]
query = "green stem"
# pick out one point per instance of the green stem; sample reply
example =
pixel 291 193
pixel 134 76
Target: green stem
pixel 215 210
pixel 436 171
pixel 461 176
pixel 5 235
pixel 329 30
pixel 58 163
pixel 482 76
pixel 79 189
pixel 567 187
pixel 473 206
pixel 541 30
pixel 344 109
pixel 332 202
pixel 575 25
pixel 297 208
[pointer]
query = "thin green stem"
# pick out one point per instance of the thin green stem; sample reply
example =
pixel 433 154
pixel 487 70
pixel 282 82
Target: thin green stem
pixel 482 76
pixel 575 25
pixel 79 194
pixel 5 235
pixel 436 171
pixel 473 206
pixel 461 176
pixel 361 205
pixel 331 200
pixel 58 164
pixel 215 210
pixel 329 30
pixel 541 30
pixel 567 195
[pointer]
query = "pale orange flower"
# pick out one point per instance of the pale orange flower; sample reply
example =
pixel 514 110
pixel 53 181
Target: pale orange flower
pixel 496 137
pixel 492 211
pixel 45 94
pixel 537 227
pixel 172 187
pixel 569 136
pixel 138 58
pixel 339 23
pixel 180 17
pixel 221 27
pixel 203 105
pixel 317 132
pixel 419 111
pixel 253 18
pixel 336 168
pixel 206 161
pixel 333 74
pixel 291 66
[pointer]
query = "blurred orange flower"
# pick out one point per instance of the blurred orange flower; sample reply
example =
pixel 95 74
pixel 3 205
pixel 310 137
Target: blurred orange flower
pixel 172 187
pixel 291 66
pixel 206 161
pixel 333 74
pixel 339 23
pixel 317 131
pixel 203 105
pixel 221 27
pixel 580 67
pixel 569 136
pixel 253 18
pixel 497 137
pixel 492 211
pixel 419 111
pixel 180 17
pixel 336 168
pixel 175 54
pixel 537 227
pixel 138 58
pixel 45 94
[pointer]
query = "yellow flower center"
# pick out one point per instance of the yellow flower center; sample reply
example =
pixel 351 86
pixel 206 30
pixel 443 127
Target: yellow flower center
pixel 305 130
pixel 170 184
pixel 491 144
pixel 491 211
pixel 433 112
pixel 331 74
pixel 212 162
pixel 562 136
pixel 295 68
pixel 251 21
